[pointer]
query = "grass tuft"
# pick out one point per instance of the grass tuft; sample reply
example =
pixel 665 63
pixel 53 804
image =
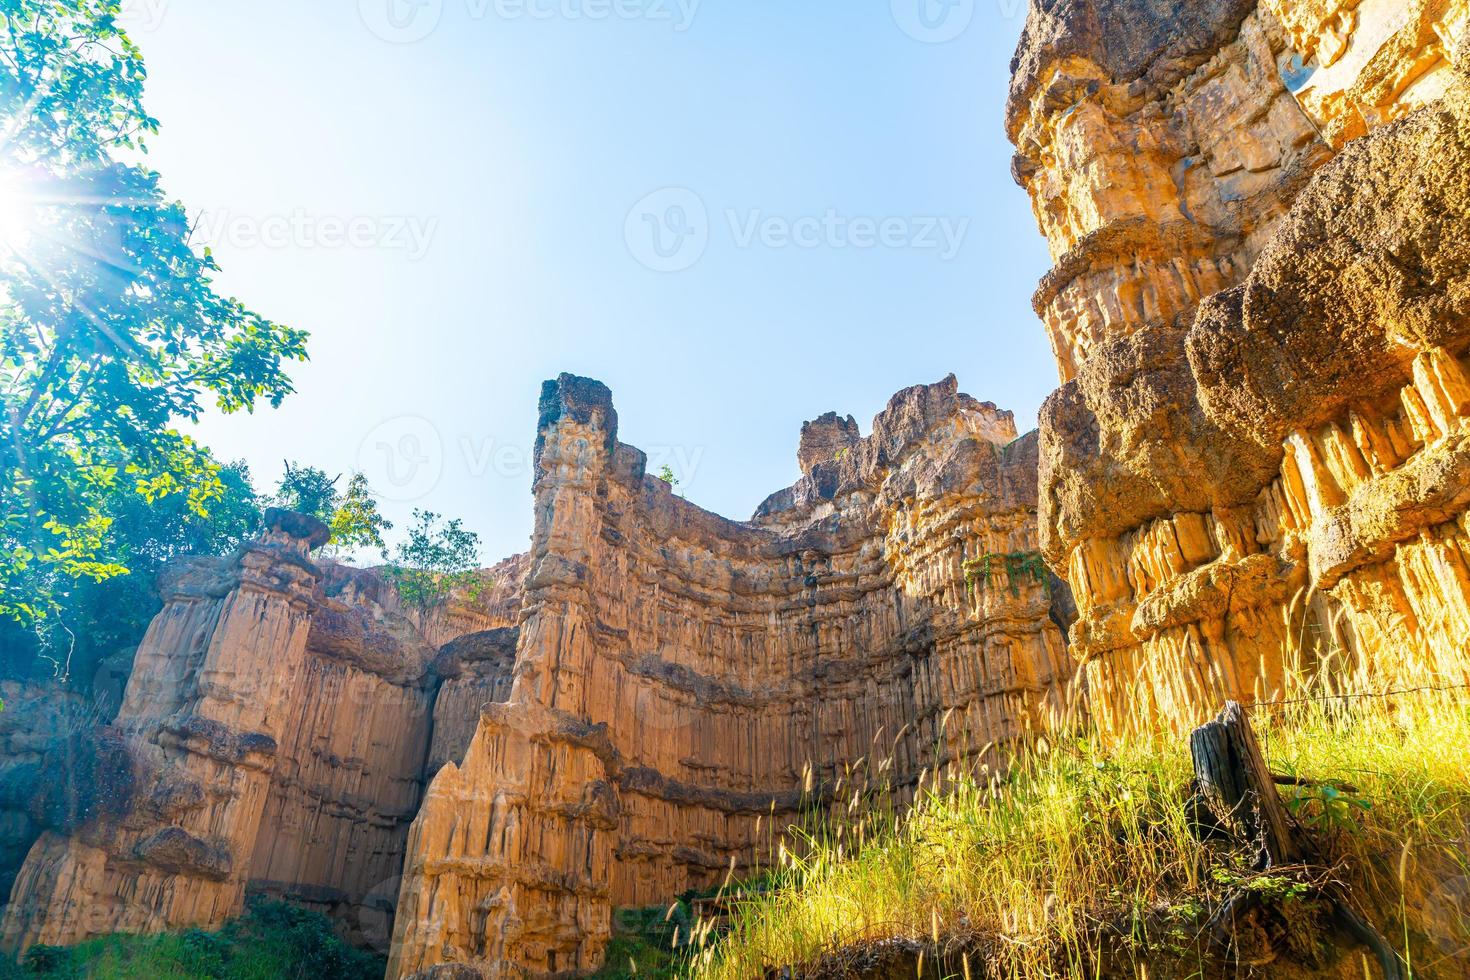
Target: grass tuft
pixel 1081 860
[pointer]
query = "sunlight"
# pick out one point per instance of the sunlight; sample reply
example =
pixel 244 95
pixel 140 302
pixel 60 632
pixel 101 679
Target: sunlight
pixel 17 213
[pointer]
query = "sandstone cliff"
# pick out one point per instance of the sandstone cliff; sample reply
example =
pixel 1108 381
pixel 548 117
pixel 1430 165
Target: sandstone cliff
pixel 682 679
pixel 200 725
pixel 1255 468
pixel 273 739
pixel 1259 218
pixel 639 706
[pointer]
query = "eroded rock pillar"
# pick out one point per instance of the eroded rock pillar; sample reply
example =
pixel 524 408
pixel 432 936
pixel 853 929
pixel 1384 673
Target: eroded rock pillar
pixel 509 862
pixel 199 726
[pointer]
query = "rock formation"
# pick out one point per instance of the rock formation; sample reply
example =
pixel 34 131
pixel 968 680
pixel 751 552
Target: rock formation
pixel 272 739
pixel 639 706
pixel 200 725
pixel 41 723
pixel 1255 469
pixel 682 678
pixel 1260 217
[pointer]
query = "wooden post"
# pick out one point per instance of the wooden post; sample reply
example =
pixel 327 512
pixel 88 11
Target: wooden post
pixel 1240 791
pixel 1238 786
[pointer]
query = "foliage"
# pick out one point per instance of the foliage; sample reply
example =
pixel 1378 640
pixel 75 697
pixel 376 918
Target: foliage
pixel 1018 566
pixel 308 490
pixel 1037 862
pixel 1325 809
pixel 111 332
pixel 272 941
pixel 435 561
pixel 356 522
pixel 643 941
pixel 352 516
pixel 168 527
pixel 91 620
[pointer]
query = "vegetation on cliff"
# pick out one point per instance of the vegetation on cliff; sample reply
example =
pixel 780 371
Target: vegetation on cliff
pixel 272 941
pixel 89 621
pixel 113 331
pixel 1083 861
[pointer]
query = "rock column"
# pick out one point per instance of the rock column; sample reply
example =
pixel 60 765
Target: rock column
pixel 510 860
pixel 199 726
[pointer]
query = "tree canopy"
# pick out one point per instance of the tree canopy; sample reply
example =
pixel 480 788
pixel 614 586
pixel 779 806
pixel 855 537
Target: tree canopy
pixel 437 559
pixel 112 333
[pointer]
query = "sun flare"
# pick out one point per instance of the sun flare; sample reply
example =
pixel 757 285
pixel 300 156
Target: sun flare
pixel 17 214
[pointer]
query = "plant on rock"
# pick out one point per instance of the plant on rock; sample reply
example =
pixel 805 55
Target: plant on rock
pixel 1017 565
pixel 352 516
pixel 438 559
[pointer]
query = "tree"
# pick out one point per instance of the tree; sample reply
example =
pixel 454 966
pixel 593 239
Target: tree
pixel 352 516
pixel 308 490
pixel 435 561
pixel 111 332
pixel 356 522
pixel 92 620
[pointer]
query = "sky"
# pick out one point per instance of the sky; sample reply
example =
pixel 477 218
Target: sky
pixel 738 214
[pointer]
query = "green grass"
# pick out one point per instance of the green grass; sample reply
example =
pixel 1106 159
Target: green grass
pixel 1081 860
pixel 272 941
pixel 643 943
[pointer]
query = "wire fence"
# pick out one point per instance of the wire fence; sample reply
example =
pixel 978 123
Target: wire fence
pixel 1357 695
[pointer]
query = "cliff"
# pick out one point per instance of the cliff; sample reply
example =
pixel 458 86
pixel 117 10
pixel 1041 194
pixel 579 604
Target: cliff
pixel 272 740
pixel 639 706
pixel 1252 470
pixel 1253 478
pixel 682 678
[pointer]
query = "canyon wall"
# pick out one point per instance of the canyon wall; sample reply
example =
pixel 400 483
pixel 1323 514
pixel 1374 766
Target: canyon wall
pixel 684 684
pixel 640 706
pixel 196 736
pixel 1254 470
pixel 272 740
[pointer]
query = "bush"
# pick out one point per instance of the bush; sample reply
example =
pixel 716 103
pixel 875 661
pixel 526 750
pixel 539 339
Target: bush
pixel 272 941
pixel 53 961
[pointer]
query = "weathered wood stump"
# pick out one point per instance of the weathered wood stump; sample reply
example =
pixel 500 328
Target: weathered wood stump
pixel 1237 787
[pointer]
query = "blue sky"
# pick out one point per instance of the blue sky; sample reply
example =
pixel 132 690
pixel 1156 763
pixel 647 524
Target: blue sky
pixel 738 214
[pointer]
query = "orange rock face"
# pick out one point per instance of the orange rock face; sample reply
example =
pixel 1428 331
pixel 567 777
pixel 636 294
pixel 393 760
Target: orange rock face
pixel 273 737
pixel 681 678
pixel 201 724
pixel 1259 215
pixel 632 709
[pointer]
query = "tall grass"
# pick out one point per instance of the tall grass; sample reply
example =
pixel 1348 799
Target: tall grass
pixel 1075 847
